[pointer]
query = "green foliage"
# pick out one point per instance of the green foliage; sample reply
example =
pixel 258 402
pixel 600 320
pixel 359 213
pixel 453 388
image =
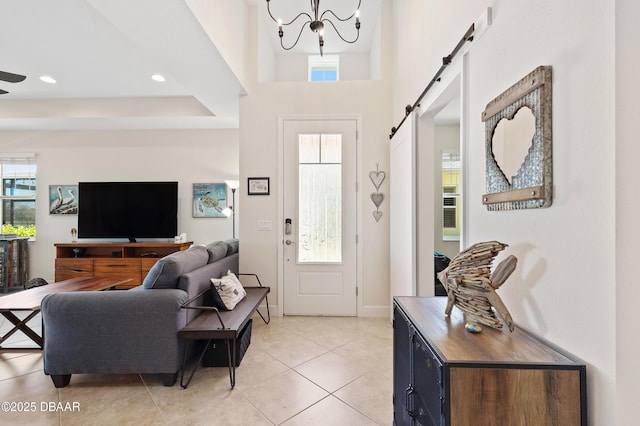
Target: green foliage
pixel 20 231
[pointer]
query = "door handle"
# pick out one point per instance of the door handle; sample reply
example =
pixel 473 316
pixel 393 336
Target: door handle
pixel 289 242
pixel 287 226
pixel 408 400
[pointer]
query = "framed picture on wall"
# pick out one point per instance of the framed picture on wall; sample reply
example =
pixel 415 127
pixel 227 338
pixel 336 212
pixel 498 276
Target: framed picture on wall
pixel 258 185
pixel 63 199
pixel 209 199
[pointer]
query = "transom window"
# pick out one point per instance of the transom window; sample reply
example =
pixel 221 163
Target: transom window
pixel 324 68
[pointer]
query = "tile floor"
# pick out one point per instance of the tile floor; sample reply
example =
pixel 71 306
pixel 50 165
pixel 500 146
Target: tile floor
pixel 297 371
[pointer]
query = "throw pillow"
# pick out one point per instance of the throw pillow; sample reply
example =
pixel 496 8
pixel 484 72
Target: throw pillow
pixel 216 300
pixel 166 271
pixel 229 290
pixel 232 246
pixel 217 251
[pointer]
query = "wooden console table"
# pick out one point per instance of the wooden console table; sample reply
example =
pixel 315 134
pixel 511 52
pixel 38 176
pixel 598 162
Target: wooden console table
pixel 130 261
pixel 444 375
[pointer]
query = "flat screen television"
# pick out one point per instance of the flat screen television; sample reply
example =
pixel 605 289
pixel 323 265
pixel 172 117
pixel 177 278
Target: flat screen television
pixel 127 210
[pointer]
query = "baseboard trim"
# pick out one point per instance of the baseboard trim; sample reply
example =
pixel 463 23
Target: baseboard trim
pixel 364 312
pixel 374 311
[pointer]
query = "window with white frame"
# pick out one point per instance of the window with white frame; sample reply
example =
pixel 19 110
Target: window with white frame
pixel 451 188
pixel 18 197
pixel 324 68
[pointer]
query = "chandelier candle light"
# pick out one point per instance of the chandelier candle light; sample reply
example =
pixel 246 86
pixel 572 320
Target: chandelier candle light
pixel 316 23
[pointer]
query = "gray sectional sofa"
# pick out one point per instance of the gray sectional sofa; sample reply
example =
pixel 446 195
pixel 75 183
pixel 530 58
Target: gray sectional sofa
pixel 133 331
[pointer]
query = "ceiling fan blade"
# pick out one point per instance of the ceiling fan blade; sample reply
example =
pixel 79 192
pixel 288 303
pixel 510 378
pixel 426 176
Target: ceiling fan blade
pixel 2 92
pixel 11 78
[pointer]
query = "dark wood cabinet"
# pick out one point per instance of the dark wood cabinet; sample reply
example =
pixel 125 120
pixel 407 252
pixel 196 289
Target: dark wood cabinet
pixel 114 260
pixel 444 375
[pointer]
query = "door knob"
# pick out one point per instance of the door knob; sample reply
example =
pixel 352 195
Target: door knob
pixel 288 242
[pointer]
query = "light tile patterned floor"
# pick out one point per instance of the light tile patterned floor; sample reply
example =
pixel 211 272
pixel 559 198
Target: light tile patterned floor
pixel 297 371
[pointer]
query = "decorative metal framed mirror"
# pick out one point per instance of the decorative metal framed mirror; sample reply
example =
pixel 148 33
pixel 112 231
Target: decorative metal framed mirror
pixel 518 145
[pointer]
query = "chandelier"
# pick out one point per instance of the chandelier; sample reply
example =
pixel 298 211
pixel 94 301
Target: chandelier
pixel 316 23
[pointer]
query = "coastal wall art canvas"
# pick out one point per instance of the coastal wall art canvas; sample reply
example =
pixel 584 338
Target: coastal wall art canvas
pixel 209 199
pixel 63 199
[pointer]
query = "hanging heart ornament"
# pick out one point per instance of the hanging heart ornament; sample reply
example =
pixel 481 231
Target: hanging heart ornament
pixel 377 198
pixel 377 178
pixel 377 215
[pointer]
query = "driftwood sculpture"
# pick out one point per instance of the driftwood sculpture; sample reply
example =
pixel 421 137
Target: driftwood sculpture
pixel 472 287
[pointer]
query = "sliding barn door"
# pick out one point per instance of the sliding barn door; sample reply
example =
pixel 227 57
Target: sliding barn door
pixel 402 179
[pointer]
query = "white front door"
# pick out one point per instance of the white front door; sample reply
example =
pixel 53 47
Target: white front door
pixel 319 241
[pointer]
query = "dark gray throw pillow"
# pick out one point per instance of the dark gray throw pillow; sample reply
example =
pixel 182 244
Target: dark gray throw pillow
pixel 217 251
pixel 233 246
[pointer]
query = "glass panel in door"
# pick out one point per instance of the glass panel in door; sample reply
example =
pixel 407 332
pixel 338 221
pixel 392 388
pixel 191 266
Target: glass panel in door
pixel 320 198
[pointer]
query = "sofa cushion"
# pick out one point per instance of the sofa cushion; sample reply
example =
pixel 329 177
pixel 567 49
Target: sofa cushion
pixel 217 250
pixel 166 272
pixel 232 246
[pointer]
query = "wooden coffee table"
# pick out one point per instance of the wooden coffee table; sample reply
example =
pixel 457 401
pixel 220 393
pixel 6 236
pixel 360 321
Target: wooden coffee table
pixel 29 300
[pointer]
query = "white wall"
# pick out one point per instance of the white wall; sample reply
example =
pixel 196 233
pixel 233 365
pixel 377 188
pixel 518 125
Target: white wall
pixel 564 288
pixel 627 206
pixel 187 156
pixel 224 21
pixel 353 66
pixel 375 52
pixel 259 112
pixel 258 157
pixel 266 62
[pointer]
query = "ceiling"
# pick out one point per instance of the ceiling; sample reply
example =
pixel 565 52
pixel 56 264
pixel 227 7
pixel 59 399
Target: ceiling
pixel 102 54
pixel 450 113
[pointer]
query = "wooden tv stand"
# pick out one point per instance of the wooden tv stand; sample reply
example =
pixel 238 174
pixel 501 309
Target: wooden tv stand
pixel 111 260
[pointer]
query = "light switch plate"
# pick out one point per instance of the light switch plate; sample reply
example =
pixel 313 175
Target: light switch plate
pixel 265 225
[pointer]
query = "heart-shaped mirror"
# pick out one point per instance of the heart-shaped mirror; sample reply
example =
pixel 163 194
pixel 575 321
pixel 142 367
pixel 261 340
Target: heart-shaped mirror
pixel 511 141
pixel 518 144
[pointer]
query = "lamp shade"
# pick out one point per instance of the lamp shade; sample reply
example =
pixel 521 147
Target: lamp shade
pixel 232 184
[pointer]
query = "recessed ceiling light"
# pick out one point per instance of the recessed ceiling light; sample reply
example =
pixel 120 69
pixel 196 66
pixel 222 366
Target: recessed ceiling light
pixel 48 79
pixel 158 77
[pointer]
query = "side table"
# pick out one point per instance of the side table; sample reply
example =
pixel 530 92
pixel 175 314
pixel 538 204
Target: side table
pixel 215 324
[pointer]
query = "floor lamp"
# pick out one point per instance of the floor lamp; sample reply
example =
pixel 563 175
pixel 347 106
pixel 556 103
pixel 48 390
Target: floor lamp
pixel 231 210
